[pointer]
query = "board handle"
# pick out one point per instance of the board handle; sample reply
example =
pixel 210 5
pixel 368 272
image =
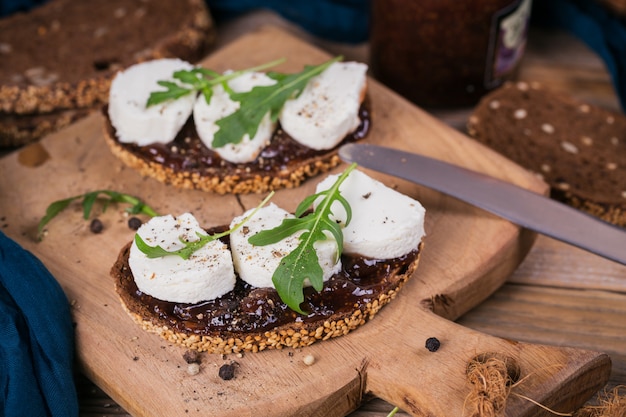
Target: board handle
pixel 424 379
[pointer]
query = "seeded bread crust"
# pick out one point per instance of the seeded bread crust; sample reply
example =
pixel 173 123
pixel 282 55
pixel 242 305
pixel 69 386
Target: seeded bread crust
pixel 220 182
pixel 18 130
pixel 293 335
pixel 64 54
pixel 59 59
pixel 577 148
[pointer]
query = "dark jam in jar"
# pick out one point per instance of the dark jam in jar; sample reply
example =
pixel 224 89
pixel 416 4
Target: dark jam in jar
pixel 447 53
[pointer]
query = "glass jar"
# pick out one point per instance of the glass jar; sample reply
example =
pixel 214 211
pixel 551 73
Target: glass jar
pixel 447 53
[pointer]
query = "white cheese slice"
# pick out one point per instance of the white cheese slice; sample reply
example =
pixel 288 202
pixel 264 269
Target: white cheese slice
pixel 256 264
pixel 206 275
pixel 129 93
pixel 328 108
pixel 206 115
pixel 385 223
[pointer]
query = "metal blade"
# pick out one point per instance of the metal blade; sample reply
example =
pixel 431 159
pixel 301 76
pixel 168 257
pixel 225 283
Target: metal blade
pixel 522 207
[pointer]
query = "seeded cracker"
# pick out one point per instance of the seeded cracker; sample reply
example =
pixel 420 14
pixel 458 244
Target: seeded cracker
pixel 577 148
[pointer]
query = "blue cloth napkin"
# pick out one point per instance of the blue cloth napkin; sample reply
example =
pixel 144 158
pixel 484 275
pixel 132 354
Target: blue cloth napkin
pixel 8 7
pixel 601 30
pixel 336 20
pixel 36 339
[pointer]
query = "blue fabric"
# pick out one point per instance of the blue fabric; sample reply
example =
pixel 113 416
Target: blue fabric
pixel 337 20
pixel 601 30
pixel 36 339
pixel 8 7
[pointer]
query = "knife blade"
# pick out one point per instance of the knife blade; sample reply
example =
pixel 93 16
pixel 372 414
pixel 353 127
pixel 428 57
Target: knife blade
pixel 509 201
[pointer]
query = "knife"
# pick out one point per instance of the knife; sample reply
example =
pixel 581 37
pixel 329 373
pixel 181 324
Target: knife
pixel 516 204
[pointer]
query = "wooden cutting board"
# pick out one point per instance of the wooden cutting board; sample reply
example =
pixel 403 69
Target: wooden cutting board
pixel 468 255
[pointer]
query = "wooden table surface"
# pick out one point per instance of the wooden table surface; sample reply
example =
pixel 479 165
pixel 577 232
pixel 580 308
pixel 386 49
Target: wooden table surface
pixel 560 295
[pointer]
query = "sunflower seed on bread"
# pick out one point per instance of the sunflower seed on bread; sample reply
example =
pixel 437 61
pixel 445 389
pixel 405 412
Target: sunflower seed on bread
pixel 579 149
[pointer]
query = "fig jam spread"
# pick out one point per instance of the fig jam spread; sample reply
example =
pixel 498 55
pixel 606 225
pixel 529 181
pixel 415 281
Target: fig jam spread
pixel 187 152
pixel 246 308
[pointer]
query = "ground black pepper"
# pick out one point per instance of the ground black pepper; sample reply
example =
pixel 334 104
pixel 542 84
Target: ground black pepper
pixel 432 344
pixel 134 223
pixel 227 371
pixel 191 356
pixel 96 226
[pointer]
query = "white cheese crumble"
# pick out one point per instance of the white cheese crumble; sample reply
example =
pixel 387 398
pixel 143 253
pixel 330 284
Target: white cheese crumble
pixel 385 223
pixel 328 108
pixel 206 117
pixel 129 93
pixel 256 264
pixel 206 275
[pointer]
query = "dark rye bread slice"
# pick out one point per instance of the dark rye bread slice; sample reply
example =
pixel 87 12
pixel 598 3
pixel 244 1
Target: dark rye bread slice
pixel 20 129
pixel 187 163
pixel 577 148
pixel 250 319
pixel 63 55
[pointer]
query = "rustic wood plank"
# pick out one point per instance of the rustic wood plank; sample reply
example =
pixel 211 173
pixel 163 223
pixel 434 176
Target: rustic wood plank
pixel 555 264
pixel 553 58
pixel 583 318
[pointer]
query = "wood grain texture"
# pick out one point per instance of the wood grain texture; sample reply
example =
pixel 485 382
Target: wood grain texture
pixel 468 255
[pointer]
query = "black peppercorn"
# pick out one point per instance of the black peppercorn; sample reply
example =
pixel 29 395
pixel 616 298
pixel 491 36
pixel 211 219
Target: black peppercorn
pixel 432 344
pixel 227 371
pixel 96 226
pixel 191 356
pixel 134 223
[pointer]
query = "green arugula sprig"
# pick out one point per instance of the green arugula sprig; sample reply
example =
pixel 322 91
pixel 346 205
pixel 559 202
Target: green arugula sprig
pixel 302 262
pixel 89 199
pixel 192 246
pixel 254 104
pixel 198 79
pixel 259 101
pixel 393 412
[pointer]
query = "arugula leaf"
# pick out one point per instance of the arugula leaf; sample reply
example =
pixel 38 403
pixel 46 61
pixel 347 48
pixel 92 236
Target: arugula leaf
pixel 198 79
pixel 185 252
pixel 191 247
pixel 173 92
pixel 89 198
pixel 302 262
pixel 256 103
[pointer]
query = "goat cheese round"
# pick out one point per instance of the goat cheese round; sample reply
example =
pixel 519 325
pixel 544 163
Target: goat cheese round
pixel 256 264
pixel 129 93
pixel 206 115
pixel 328 108
pixel 385 223
pixel 206 275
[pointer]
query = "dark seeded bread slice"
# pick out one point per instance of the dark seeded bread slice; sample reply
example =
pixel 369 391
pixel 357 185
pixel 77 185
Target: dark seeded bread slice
pixel 62 55
pixel 294 334
pixel 222 181
pixel 286 165
pixel 20 129
pixel 577 148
